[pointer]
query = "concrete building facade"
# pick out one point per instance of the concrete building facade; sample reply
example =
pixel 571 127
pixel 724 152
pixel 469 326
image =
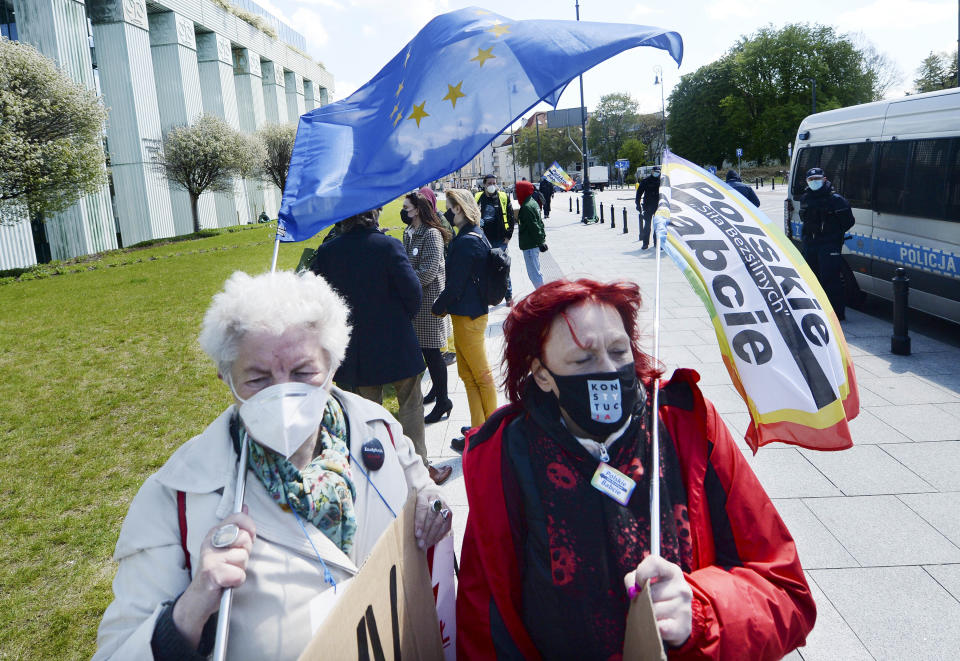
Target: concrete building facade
pixel 159 64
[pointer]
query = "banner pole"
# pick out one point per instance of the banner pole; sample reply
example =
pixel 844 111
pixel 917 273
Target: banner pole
pixel 655 415
pixel 226 599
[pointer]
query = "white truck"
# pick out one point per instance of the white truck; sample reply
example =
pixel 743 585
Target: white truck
pixel 598 176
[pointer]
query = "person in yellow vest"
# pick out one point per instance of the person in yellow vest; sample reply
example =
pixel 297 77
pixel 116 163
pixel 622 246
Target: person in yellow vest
pixel 496 219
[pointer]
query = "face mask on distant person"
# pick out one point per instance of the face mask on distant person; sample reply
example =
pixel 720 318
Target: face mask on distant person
pixel 283 416
pixel 404 216
pixel 491 189
pixel 656 174
pixel 598 403
pixel 815 184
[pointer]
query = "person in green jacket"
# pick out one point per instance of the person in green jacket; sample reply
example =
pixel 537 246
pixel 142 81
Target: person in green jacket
pixel 532 234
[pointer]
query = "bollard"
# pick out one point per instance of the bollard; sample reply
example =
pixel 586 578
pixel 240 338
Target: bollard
pixel 578 206
pixel 773 183
pixel 613 218
pixel 756 183
pixel 624 220
pixel 571 204
pixel 601 212
pixel 900 340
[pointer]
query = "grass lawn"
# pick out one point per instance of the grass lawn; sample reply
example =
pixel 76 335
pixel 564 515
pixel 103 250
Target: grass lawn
pixel 101 379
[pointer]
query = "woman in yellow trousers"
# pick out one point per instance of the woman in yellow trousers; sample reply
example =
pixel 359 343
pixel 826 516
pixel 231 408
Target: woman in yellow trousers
pixel 463 299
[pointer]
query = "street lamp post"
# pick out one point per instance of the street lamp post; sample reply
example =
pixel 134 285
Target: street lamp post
pixel 536 118
pixel 658 80
pixel 588 210
pixel 813 95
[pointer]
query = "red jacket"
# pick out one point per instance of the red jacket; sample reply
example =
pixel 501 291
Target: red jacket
pixel 750 598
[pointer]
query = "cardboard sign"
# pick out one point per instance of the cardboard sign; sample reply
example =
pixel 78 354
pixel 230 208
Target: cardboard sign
pixel 642 640
pixel 388 613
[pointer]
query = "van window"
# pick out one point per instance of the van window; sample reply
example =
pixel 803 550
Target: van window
pixel 926 189
pixel 833 161
pixel 807 158
pixel 858 179
pixel 953 183
pixel 892 175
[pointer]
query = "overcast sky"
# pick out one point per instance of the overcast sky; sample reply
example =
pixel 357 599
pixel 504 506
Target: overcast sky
pixel 355 38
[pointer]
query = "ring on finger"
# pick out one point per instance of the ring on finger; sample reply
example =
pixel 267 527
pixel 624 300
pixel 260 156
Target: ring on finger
pixel 225 536
pixel 444 513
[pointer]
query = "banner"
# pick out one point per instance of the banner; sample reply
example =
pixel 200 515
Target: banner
pixel 440 559
pixel 388 610
pixel 556 175
pixel 780 340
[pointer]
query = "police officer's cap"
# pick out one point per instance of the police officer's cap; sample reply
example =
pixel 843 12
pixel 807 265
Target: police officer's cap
pixel 815 172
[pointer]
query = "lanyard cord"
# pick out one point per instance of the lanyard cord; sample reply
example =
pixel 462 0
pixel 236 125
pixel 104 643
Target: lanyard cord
pixel 358 464
pixel 327 575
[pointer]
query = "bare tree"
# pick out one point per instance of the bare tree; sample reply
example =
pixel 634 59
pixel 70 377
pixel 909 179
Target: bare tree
pixel 206 156
pixel 886 74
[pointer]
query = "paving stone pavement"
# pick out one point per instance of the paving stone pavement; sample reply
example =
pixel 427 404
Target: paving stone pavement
pixel 877 527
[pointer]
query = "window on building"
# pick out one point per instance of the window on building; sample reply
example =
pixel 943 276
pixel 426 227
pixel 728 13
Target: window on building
pixel 8 22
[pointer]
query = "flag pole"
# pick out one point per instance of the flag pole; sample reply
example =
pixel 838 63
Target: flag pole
pixel 276 249
pixel 655 415
pixel 226 599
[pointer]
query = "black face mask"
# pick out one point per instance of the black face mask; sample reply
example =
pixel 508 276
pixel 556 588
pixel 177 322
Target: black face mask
pixel 599 403
pixel 404 217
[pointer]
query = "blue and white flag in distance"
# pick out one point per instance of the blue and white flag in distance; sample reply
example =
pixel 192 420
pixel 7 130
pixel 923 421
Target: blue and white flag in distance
pixel 779 338
pixel 458 84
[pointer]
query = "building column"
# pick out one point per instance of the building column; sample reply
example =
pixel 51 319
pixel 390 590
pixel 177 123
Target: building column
pixel 219 95
pixel 173 48
pixel 247 79
pixel 294 87
pixel 58 29
pixel 308 99
pixel 121 34
pixel 275 107
pixel 323 97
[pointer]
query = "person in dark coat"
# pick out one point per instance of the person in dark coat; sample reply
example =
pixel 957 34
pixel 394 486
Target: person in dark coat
pixel 826 217
pixel 547 190
pixel 736 183
pixel 372 272
pixel 648 197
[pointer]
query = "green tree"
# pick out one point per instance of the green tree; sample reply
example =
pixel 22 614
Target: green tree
pixel 755 96
pixel 555 145
pixel 612 123
pixel 695 124
pixel 634 151
pixel 277 141
pixel 51 135
pixel 937 71
pixel 206 156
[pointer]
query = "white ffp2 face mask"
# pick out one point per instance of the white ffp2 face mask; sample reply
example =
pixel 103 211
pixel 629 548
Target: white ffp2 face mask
pixel 815 184
pixel 283 416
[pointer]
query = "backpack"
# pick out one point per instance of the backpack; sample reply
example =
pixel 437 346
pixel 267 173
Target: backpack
pixel 496 268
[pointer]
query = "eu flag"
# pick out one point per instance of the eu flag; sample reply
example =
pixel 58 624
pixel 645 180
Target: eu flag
pixel 456 86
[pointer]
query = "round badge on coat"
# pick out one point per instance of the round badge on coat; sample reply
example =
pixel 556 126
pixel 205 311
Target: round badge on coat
pixel 372 454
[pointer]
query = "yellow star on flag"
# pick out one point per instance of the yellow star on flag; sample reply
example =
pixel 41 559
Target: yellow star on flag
pixel 499 30
pixel 483 54
pixel 418 113
pixel 395 110
pixel 482 12
pixel 454 93
pixel 399 88
pixel 397 120
pixel 406 59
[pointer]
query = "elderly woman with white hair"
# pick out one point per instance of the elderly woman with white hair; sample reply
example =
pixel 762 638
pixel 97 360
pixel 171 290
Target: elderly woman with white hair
pixel 327 472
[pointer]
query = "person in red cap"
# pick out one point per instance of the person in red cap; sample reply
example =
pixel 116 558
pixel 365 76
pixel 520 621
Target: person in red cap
pixel 532 234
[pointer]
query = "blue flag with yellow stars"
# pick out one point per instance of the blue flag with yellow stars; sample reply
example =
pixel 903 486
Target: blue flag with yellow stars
pixel 458 84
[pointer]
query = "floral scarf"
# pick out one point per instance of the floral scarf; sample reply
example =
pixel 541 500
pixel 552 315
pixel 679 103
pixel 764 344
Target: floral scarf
pixel 323 492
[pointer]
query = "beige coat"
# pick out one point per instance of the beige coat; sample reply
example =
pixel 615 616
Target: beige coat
pixel 271 616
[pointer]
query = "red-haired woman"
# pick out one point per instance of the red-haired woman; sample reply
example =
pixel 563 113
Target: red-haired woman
pixel 554 546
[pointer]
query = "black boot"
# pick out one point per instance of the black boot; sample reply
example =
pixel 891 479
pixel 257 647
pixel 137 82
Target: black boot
pixel 439 412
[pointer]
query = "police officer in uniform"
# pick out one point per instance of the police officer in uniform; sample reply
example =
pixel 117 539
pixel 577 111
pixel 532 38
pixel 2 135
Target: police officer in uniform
pixel 497 220
pixel 648 197
pixel 826 217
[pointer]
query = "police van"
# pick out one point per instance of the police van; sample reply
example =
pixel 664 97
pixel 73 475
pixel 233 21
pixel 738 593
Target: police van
pixel 898 164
